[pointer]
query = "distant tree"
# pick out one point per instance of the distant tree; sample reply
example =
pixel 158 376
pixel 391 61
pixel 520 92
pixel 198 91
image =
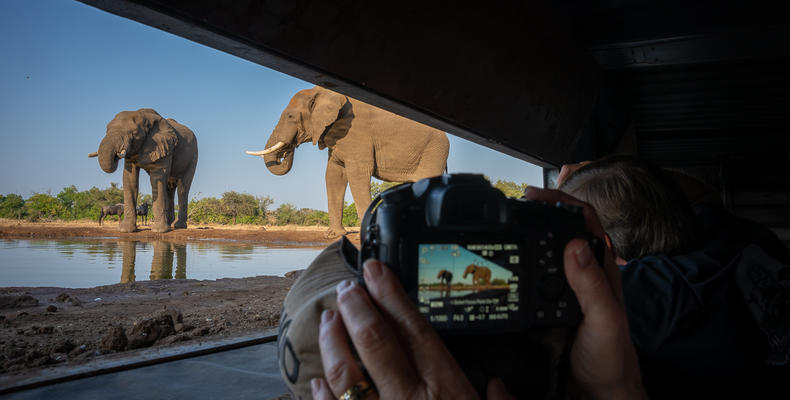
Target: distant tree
pixel 350 217
pixel 264 202
pixel 286 214
pixel 377 187
pixel 43 206
pixel 12 206
pixel 316 217
pixel 67 198
pixel 208 210
pixel 511 189
pixel 239 204
pixel 498 282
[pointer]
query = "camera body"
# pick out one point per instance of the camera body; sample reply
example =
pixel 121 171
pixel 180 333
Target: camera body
pixel 485 270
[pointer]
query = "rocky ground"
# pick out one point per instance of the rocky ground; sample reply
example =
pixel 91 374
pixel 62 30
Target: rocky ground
pixel 44 326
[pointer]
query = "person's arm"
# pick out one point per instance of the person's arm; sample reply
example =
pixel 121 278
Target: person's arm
pixel 405 357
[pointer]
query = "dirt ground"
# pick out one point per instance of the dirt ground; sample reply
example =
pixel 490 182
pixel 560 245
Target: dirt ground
pixel 45 326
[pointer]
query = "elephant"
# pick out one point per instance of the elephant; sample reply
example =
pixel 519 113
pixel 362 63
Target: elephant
pixel 115 209
pixel 165 149
pixel 142 211
pixel 445 278
pixel 480 275
pixel 363 141
pixel 161 260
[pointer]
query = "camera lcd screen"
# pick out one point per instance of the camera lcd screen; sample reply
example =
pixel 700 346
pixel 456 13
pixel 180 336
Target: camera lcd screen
pixel 472 285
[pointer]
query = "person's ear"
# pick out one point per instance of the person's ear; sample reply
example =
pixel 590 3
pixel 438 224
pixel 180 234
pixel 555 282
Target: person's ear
pixel 617 259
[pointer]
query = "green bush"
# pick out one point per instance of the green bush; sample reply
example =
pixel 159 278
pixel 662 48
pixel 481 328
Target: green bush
pixel 350 217
pixel 12 206
pixel 511 189
pixel 42 206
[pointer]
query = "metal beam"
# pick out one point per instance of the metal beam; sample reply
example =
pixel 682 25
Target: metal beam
pixel 511 79
pixel 741 44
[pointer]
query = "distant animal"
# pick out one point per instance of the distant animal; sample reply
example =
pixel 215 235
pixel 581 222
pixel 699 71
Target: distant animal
pixel 115 209
pixel 480 275
pixel 142 211
pixel 445 277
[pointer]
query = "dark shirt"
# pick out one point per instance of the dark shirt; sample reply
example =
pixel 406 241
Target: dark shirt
pixel 688 318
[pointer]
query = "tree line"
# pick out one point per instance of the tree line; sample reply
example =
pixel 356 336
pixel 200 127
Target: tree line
pixel 231 208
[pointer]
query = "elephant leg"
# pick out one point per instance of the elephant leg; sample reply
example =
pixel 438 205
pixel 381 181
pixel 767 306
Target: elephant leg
pixel 335 192
pixel 159 194
pixel 131 176
pixel 171 198
pixel 183 198
pixel 359 181
pixel 181 260
pixel 128 251
pixel 162 261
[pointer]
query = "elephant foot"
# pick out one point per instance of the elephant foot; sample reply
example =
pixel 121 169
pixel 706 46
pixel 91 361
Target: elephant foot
pixel 180 225
pixel 161 228
pixel 335 233
pixel 127 228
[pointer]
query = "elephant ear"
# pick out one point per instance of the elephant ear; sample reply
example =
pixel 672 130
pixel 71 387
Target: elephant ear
pixel 324 110
pixel 160 141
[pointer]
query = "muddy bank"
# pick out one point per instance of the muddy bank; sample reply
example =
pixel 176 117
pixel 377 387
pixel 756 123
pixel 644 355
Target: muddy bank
pixel 295 235
pixel 44 326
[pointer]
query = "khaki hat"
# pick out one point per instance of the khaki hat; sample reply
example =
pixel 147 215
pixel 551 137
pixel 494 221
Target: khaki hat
pixel 313 292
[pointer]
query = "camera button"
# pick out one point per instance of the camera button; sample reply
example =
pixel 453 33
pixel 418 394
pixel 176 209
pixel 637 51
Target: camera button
pixel 539 314
pixel 558 313
pixel 551 287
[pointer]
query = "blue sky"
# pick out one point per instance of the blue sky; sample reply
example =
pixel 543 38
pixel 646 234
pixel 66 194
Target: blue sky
pixel 68 68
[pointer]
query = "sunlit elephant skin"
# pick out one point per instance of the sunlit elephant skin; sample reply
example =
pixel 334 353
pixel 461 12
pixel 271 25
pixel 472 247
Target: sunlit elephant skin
pixel 363 141
pixel 480 275
pixel 115 209
pixel 165 149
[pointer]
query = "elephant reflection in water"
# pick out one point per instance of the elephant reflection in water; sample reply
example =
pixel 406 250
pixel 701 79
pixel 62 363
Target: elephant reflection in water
pixel 161 262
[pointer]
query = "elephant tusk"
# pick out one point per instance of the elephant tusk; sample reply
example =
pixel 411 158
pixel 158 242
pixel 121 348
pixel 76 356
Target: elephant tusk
pixel 94 154
pixel 267 151
pixel 122 154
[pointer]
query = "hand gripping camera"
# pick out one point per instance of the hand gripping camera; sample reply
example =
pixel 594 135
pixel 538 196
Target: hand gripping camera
pixel 487 272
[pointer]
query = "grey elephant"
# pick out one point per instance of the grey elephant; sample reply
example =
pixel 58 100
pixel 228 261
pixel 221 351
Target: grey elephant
pixel 165 149
pixel 363 141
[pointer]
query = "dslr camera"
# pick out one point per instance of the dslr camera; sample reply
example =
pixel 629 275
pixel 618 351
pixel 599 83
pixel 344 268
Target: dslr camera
pixel 487 272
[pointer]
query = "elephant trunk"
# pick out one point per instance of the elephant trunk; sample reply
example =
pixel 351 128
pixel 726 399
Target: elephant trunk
pixel 278 162
pixel 108 159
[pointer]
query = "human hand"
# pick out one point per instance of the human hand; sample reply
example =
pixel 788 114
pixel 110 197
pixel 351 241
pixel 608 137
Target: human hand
pixel 401 352
pixel 567 170
pixel 603 358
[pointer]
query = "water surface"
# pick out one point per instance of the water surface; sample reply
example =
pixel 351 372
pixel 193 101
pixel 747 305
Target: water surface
pixel 89 263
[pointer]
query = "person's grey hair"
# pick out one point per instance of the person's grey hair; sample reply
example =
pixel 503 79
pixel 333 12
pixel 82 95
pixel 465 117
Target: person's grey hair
pixel 641 210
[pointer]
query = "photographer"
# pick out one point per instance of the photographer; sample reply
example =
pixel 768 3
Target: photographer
pixel 405 358
pixel 703 289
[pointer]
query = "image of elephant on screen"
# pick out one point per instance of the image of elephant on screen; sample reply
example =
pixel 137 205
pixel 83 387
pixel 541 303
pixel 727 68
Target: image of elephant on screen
pixel 445 277
pixel 165 149
pixel 363 141
pixel 480 275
